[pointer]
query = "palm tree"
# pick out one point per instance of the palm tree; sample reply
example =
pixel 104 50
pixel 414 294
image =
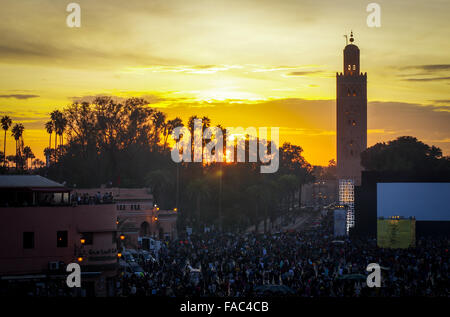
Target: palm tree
pixel 60 128
pixel 55 117
pixel 37 163
pixel 169 126
pixel 11 159
pixel 28 154
pixel 6 123
pixel 48 152
pixel 49 128
pixel 199 190
pixel 158 119
pixel 206 123
pixel 17 132
pixel 256 194
pixel 159 181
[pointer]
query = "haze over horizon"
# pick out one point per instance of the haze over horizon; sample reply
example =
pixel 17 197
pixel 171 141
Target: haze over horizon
pixel 241 63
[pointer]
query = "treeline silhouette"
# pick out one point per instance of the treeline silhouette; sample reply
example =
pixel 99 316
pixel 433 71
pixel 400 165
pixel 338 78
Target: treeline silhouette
pixel 126 144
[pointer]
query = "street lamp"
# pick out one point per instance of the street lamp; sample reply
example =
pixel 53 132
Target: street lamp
pixel 220 197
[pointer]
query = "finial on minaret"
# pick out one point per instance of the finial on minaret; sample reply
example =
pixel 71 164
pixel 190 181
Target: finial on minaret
pixel 351 37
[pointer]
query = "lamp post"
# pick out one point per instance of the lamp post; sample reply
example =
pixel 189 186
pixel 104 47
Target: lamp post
pixel 220 197
pixel 122 239
pixel 178 185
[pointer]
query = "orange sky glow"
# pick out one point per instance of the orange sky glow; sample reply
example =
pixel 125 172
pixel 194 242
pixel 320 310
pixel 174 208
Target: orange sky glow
pixel 245 63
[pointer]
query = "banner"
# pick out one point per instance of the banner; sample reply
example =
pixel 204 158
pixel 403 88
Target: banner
pixel 340 222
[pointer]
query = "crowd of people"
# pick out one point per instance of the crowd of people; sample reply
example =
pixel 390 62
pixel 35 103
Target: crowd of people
pixel 88 199
pixel 306 263
pixel 310 263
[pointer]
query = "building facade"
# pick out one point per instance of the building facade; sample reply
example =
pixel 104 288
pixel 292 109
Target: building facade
pixel 42 232
pixel 137 215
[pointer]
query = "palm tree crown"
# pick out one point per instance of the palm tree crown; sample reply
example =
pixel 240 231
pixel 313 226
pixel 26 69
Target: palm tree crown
pixel 6 122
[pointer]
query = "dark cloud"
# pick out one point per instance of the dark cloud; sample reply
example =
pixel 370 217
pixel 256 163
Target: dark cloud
pixel 19 96
pixel 303 73
pixel 423 71
pixel 19 47
pixel 430 68
pixel 428 79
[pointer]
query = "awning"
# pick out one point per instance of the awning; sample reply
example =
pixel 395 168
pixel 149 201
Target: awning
pixel 49 189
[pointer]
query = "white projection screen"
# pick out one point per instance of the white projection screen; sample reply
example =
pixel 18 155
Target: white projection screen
pixel 424 201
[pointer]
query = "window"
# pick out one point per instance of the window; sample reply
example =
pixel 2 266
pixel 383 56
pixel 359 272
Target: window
pixel 61 239
pixel 349 67
pixel 88 238
pixel 28 240
pixel 354 67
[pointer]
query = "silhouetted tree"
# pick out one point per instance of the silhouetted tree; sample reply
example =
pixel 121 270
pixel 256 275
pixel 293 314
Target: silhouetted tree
pixel 17 133
pixel 404 154
pixel 292 161
pixel 6 123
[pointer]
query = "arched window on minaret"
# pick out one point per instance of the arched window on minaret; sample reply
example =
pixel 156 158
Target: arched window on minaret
pixel 351 58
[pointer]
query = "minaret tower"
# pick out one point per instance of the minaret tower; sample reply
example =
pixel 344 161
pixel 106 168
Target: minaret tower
pixel 351 135
pixel 351 102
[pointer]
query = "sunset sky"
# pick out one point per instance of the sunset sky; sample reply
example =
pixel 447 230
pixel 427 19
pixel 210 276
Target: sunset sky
pixel 240 62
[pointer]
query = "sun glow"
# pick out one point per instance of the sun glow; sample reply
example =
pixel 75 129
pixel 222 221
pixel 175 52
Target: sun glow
pixel 224 94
